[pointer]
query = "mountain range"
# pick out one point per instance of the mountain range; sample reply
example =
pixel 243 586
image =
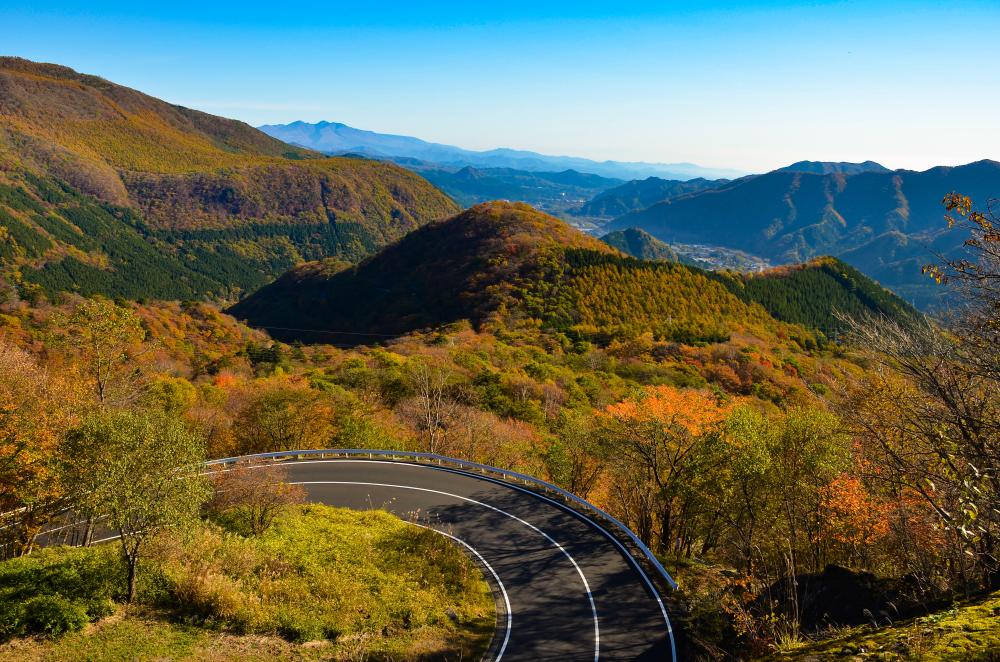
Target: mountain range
pixel 104 189
pixel 886 223
pixel 337 138
pixel 107 190
pixel 834 167
pixel 553 192
pixel 639 194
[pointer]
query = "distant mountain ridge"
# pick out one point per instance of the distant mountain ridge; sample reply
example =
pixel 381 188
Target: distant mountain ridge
pixel 640 244
pixel 834 167
pixel 553 192
pixel 888 224
pixel 641 193
pixel 336 138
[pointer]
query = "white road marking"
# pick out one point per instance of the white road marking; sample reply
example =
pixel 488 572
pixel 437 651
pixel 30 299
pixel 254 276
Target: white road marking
pixel 635 564
pixel 587 520
pixel 503 590
pixel 579 571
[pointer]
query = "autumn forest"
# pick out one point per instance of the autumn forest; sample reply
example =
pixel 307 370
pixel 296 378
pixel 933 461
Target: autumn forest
pixel 813 459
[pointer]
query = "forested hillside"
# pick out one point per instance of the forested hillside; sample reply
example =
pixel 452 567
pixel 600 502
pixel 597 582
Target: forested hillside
pixel 105 189
pixel 509 260
pixel 639 243
pixel 824 294
pixel 785 480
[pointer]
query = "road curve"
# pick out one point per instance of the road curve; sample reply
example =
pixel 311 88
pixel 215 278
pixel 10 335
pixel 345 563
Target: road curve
pixel 573 592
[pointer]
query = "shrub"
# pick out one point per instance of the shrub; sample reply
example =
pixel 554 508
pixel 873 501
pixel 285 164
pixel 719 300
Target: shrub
pixel 53 615
pixel 58 590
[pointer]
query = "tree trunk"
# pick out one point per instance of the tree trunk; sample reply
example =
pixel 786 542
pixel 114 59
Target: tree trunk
pixel 666 532
pixel 133 562
pixel 131 553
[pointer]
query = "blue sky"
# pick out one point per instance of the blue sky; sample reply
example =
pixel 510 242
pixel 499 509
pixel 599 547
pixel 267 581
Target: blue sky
pixel 750 85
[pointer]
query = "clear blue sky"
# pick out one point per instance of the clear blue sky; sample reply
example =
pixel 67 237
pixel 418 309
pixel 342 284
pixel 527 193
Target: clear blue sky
pixel 750 85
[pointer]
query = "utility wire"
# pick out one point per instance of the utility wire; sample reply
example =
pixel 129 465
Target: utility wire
pixel 343 333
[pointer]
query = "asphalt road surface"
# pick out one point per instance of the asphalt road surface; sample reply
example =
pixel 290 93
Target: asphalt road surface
pixel 565 589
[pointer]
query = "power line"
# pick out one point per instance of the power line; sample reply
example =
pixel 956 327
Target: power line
pixel 331 331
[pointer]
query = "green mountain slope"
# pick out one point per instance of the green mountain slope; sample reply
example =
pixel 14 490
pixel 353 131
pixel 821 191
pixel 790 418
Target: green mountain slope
pixel 639 243
pixel 884 223
pixel 813 294
pixel 215 203
pixel 510 264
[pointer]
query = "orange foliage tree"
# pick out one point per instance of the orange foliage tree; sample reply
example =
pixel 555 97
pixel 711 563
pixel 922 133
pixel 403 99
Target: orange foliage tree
pixel 34 410
pixel 855 518
pixel 655 441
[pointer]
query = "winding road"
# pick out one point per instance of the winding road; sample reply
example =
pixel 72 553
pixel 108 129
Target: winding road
pixel 566 589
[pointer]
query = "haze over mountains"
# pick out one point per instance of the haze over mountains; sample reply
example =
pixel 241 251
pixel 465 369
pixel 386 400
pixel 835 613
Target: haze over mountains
pixel 554 192
pixel 887 223
pixel 336 138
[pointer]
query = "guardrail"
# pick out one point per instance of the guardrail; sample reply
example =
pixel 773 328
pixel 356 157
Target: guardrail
pixel 579 505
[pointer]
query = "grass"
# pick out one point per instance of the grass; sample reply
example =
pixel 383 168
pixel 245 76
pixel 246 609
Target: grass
pixel 970 631
pixel 322 583
pixel 151 635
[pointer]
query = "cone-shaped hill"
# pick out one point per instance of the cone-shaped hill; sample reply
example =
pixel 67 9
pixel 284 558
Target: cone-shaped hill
pixel 639 243
pixel 510 264
pixel 104 189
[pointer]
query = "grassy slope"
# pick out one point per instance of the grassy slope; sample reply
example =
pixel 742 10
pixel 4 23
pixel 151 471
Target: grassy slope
pixel 217 203
pixel 970 631
pixel 369 582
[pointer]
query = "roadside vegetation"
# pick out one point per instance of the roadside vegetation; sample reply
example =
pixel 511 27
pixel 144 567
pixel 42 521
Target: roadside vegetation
pixel 968 631
pixel 355 585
